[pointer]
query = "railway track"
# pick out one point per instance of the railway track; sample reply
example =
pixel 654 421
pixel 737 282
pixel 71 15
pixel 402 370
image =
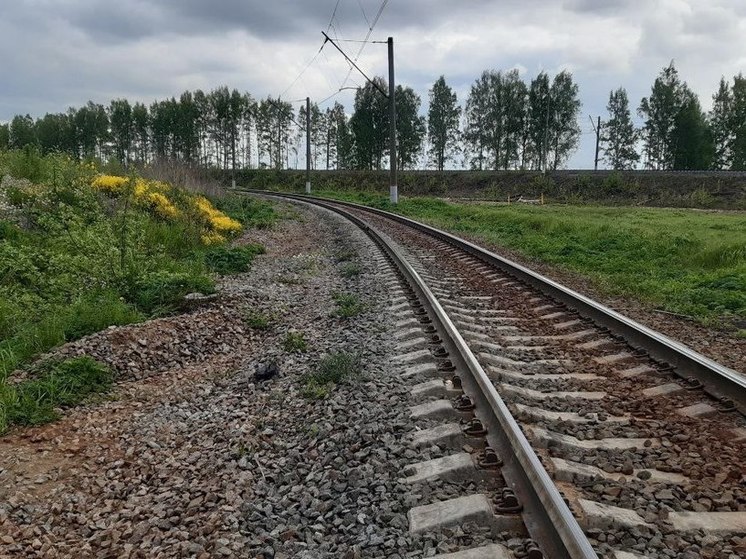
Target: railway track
pixel 589 433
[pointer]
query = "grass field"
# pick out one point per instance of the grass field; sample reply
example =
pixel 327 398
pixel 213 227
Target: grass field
pixel 684 261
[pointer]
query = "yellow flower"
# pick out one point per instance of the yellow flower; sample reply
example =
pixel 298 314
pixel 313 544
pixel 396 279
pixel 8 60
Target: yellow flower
pixel 109 183
pixel 216 219
pixel 212 238
pixel 162 205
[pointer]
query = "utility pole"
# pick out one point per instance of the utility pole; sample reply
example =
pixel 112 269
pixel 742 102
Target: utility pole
pixel 545 147
pixel 308 145
pixel 279 133
pixel 597 130
pixel 393 188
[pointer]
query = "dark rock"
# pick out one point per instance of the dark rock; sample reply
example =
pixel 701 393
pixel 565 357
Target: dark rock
pixel 265 371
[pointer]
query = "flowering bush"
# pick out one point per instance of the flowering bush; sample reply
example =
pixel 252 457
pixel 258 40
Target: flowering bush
pixel 153 195
pixel 109 184
pixel 214 218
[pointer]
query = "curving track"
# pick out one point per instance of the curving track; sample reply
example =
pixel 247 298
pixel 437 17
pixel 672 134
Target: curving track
pixel 601 437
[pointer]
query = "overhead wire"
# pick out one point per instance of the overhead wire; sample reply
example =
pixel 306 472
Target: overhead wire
pixel 359 3
pixel 334 13
pixel 303 71
pixel 367 36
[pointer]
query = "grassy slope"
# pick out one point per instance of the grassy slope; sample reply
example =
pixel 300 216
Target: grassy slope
pixel 684 261
pixel 74 261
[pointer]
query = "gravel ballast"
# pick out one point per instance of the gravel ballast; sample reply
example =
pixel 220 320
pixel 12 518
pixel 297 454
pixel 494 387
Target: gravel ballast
pixel 191 455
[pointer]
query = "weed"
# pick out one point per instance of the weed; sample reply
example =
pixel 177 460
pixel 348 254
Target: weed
pixel 163 292
pixel 290 279
pixel 294 341
pixel 55 385
pixel 344 254
pixel 348 305
pixel 350 270
pixel 256 320
pixel 332 369
pixel 231 260
pixel 249 211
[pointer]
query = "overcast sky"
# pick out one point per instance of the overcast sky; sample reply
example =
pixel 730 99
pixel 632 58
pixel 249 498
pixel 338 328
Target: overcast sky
pixel 61 53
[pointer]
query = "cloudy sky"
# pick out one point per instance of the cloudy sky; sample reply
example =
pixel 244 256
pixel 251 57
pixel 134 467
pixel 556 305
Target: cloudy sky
pixel 61 53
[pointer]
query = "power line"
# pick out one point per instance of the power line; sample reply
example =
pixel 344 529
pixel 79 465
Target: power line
pixel 303 71
pixel 359 3
pixel 367 36
pixel 358 41
pixel 334 13
pixel 374 84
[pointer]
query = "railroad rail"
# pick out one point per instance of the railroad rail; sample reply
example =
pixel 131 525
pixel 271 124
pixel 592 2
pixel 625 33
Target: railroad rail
pixel 486 373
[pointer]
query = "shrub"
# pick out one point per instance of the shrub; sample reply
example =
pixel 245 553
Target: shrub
pixel 163 291
pixel 231 260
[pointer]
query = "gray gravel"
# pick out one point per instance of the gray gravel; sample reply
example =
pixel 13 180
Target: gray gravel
pixel 191 457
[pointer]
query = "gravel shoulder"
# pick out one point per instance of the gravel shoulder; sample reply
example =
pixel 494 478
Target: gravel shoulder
pixel 192 456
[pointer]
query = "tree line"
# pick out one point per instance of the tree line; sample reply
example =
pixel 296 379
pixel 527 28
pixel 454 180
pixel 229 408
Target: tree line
pixel 504 123
pixel 676 132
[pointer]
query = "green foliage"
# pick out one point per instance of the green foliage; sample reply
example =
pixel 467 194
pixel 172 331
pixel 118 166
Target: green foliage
pixel 95 311
pixel 23 335
pixel 333 369
pixel 163 291
pixel 256 320
pixel 294 341
pixel 249 211
pixel 9 231
pixel 684 261
pixel 350 270
pixel 618 134
pixel 348 305
pixel 54 385
pixel 231 260
pixel 345 254
pixel 74 261
pixel 613 184
pixel 443 117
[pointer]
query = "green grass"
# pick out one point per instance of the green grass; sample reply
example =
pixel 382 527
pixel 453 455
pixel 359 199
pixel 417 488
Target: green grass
pixel 231 259
pixel 350 270
pixel 295 342
pixel 348 305
pixel 689 262
pixel 256 320
pixel 333 369
pixel 60 384
pixel 249 211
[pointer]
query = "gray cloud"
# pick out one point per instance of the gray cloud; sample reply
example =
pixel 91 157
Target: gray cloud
pixel 58 54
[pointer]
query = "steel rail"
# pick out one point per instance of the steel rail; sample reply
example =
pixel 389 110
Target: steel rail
pixel 718 381
pixel 550 521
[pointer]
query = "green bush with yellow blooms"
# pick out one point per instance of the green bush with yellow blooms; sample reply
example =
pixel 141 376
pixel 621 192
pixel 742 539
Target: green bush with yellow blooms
pixel 81 251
